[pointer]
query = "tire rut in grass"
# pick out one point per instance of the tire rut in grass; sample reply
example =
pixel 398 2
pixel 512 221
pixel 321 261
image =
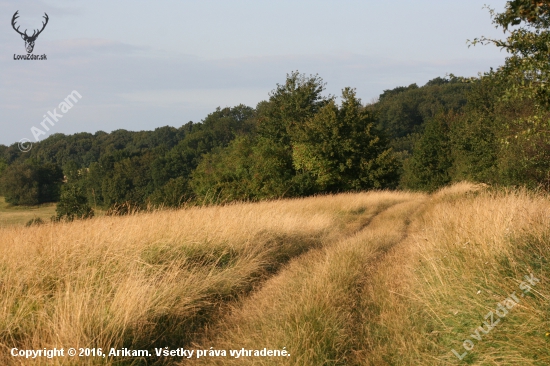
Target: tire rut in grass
pixel 285 248
pixel 176 332
pixel 310 297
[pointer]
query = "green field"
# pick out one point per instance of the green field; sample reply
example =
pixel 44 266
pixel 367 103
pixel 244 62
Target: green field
pixel 19 215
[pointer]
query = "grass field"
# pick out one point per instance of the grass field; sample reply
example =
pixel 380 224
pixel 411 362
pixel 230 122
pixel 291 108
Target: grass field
pixel 20 215
pixel 379 278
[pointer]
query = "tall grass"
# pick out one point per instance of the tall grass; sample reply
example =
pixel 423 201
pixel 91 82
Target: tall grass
pixel 469 251
pixel 381 278
pixel 311 307
pixel 154 279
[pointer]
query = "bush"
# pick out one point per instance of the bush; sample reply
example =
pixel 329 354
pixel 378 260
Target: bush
pixel 73 205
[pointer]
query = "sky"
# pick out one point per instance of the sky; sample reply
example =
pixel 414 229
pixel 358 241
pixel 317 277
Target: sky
pixel 139 65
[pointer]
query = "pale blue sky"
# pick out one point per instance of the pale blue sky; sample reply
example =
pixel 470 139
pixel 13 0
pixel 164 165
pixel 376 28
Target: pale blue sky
pixel 144 64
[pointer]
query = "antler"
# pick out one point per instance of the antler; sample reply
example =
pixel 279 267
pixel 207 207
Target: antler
pixel 34 34
pixel 15 16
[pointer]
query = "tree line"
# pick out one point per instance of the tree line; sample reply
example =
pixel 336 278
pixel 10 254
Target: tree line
pixel 491 129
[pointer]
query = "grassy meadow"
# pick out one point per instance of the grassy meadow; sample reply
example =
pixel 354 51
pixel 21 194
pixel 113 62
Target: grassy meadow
pixel 20 215
pixel 376 278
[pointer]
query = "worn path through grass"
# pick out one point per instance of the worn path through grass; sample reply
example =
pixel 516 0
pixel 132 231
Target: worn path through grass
pixel 313 307
pixel 155 279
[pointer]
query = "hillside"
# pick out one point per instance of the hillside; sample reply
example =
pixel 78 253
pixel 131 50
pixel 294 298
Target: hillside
pixel 357 279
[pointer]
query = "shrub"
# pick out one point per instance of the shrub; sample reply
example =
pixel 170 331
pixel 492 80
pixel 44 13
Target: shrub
pixel 73 205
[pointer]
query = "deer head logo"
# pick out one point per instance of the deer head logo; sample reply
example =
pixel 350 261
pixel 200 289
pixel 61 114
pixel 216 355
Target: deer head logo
pixel 29 40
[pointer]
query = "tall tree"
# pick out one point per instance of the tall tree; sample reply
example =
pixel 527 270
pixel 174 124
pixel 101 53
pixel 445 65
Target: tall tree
pixel 342 150
pixel 289 105
pixel 524 151
pixel 526 71
pixel 431 161
pixel 248 169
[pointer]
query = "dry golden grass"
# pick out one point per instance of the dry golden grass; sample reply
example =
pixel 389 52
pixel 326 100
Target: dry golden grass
pixel 380 278
pixel 475 252
pixel 469 251
pixel 311 307
pixel 153 279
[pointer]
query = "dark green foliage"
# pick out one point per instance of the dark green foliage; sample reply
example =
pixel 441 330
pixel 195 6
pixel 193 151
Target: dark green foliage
pixel 306 144
pixel 245 170
pixel 289 106
pixel 3 166
pixel 72 171
pixel 85 148
pixel 403 111
pixel 174 193
pixel 31 183
pixel 526 71
pixel 475 134
pixel 18 186
pixel 501 136
pixel 129 181
pixel 534 12
pixel 475 149
pixel 510 123
pixel 123 167
pixel 261 166
pixel 429 167
pixel 493 140
pixel 217 130
pixel 298 143
pixel 73 204
pixel 524 157
pixel 341 150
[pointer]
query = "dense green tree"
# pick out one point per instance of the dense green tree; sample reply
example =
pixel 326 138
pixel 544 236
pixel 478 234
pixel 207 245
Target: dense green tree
pixel 3 166
pixel 298 142
pixel 18 185
pixel 526 71
pixel 3 158
pixel 429 166
pixel 342 150
pixel 92 181
pixel 73 204
pixel 172 194
pixel 121 166
pixel 404 110
pixel 129 181
pixel 13 154
pixel 247 169
pixel 31 183
pixel 289 105
pixel 306 144
pixel 72 171
pixel 218 129
pixel 520 119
